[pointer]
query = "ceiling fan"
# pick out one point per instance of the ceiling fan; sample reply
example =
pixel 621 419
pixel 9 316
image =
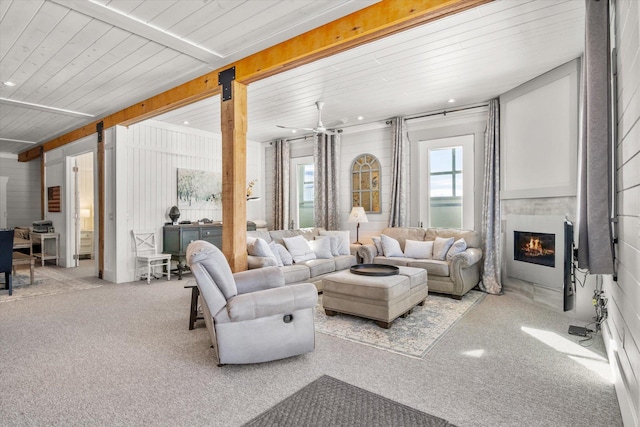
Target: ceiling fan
pixel 320 128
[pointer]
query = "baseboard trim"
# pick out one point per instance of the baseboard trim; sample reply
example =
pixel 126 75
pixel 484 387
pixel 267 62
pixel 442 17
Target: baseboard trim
pixel 629 414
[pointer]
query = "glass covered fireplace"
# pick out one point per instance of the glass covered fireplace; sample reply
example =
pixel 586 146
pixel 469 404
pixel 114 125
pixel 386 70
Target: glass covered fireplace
pixel 535 248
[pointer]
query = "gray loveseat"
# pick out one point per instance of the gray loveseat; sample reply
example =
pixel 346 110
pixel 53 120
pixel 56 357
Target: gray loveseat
pixel 454 276
pixel 312 271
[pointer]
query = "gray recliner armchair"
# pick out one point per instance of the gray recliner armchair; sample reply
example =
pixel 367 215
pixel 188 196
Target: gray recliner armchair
pixel 251 316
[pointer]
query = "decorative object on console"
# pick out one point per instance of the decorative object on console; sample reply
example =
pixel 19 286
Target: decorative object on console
pixel 250 195
pixel 357 215
pixel 174 214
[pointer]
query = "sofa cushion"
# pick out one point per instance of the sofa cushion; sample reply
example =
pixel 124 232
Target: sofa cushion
pixel 458 246
pixel 264 235
pixel 377 242
pixel 259 247
pixel 342 244
pixel 471 237
pixel 295 273
pixel 391 261
pixel 441 247
pixel 279 235
pixel 401 234
pixel 418 249
pixel 276 253
pixel 343 262
pixel 433 267
pixel 318 267
pixel 322 247
pixel 285 256
pixel 391 247
pixel 299 248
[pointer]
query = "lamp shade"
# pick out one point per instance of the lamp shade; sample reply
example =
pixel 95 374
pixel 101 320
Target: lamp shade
pixel 357 215
pixel 85 213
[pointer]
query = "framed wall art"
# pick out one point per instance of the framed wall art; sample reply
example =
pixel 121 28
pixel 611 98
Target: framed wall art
pixel 365 183
pixel 199 189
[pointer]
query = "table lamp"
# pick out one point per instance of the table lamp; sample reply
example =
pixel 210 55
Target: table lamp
pixel 357 215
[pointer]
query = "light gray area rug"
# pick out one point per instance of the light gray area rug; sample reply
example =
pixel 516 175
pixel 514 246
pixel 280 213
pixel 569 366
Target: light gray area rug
pixel 46 281
pixel 411 336
pixel 330 402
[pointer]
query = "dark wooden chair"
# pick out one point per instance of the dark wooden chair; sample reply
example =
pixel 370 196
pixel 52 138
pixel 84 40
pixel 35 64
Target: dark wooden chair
pixel 6 257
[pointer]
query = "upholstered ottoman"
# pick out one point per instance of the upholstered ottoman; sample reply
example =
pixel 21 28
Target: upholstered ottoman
pixel 381 298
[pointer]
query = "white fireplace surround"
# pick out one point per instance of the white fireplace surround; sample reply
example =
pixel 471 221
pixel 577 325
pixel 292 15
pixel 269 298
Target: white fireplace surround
pixel 548 277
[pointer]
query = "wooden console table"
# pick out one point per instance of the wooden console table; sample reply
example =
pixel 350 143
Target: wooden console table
pixel 176 238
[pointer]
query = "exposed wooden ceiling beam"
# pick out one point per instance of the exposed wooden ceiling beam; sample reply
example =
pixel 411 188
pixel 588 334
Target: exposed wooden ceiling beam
pixel 369 24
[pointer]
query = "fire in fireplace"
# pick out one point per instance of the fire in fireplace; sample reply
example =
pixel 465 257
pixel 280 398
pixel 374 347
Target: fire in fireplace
pixel 536 248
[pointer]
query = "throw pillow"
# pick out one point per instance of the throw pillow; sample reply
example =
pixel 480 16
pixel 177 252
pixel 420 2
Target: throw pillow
pixel 285 256
pixel 259 247
pixel 458 246
pixel 343 243
pixel 276 254
pixel 378 245
pixel 322 247
pixel 418 249
pixel 334 241
pixel 391 247
pixel 299 248
pixel 441 247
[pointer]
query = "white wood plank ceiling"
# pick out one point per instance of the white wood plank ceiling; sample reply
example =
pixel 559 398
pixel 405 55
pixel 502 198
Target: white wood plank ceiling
pixel 64 54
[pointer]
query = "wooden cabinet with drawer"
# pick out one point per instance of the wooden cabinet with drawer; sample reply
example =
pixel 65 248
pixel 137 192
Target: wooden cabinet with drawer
pixel 176 238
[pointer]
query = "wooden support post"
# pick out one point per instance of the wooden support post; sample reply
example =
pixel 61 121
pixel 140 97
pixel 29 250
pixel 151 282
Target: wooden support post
pixel 234 177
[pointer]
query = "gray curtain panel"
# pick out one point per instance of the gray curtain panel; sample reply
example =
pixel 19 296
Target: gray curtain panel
pixel 280 201
pixel 595 248
pixel 398 208
pixel 326 161
pixel 491 282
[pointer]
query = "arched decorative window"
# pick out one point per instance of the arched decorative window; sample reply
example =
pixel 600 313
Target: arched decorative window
pixel 365 183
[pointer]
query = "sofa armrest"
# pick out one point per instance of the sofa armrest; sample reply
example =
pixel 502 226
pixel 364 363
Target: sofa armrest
pixel 465 270
pixel 269 302
pixel 260 262
pixel 466 258
pixel 367 253
pixel 259 279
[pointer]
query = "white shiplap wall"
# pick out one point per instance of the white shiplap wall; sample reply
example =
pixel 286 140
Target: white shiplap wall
pixel 147 157
pixel 23 190
pixel 624 295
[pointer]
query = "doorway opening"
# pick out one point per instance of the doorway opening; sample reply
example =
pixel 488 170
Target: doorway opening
pixel 82 235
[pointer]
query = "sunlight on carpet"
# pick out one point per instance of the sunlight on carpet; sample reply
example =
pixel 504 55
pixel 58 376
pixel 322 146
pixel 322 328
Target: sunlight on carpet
pixel 412 336
pixel 46 281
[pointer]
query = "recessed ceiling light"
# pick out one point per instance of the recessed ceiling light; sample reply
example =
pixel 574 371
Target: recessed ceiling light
pixel 293 131
pixel 451 100
pixel 360 118
pixel 186 122
pixel 8 83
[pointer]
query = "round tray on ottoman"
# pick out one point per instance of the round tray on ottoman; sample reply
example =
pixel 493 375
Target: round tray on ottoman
pixel 375 270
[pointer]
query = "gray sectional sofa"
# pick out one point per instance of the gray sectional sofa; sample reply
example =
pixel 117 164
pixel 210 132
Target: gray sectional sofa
pixel 454 275
pixel 312 271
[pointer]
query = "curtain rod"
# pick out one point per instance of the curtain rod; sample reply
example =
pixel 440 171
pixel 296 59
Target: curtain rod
pixel 444 112
pixel 388 121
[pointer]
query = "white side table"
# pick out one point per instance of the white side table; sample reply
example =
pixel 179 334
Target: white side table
pixel 41 238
